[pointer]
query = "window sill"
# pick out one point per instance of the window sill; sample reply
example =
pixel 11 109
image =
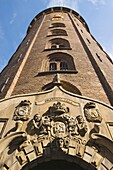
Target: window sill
pixel 57 71
pixel 50 49
pixel 52 35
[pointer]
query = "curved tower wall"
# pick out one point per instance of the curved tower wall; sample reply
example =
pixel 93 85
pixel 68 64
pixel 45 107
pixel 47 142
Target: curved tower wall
pixel 56 98
pixel 89 68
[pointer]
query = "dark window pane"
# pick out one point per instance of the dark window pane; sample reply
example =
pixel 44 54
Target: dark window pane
pixel 52 66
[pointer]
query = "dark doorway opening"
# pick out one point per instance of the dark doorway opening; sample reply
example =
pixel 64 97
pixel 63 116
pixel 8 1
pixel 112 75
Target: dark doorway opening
pixel 57 165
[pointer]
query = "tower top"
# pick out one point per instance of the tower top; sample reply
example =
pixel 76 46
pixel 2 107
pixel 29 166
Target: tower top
pixel 58 9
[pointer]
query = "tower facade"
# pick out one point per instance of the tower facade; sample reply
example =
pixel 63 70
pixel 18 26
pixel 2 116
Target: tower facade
pixel 57 97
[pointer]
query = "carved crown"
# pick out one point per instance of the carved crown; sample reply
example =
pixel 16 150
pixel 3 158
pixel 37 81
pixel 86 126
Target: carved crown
pixel 24 103
pixel 58 108
pixel 90 105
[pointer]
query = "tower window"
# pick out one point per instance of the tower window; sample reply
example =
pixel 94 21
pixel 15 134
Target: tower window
pixel 53 46
pixel 57 24
pixel 57 17
pixel 52 66
pixel 59 61
pixel 99 57
pixel 58 65
pixel 58 43
pixel 58 32
pixel 61 46
pixel 63 66
pixel 88 41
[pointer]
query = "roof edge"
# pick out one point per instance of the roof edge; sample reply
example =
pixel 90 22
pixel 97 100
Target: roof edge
pixel 58 9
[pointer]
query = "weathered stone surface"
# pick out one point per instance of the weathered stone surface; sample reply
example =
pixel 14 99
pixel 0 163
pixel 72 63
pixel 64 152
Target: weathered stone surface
pixel 62 109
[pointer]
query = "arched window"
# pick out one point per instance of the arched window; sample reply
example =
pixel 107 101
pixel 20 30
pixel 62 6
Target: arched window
pixel 59 62
pixel 58 43
pixel 57 24
pixel 58 32
pixel 63 66
pixel 53 46
pixel 62 46
pixel 58 65
pixel 52 66
pixel 57 17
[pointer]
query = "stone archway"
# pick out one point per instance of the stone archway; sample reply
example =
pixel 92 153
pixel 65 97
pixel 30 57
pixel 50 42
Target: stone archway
pixel 59 165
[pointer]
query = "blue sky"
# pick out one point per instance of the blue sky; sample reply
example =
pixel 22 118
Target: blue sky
pixel 15 16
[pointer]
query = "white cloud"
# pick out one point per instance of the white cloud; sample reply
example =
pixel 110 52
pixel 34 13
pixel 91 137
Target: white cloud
pixel 13 18
pixel 98 2
pixel 73 4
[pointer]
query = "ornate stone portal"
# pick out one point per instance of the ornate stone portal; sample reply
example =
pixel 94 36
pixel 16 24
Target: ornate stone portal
pixel 54 134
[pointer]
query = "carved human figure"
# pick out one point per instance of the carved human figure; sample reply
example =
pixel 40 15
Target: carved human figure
pixel 42 124
pixel 72 126
pixel 60 142
pixel 37 122
pixel 46 124
pixel 81 125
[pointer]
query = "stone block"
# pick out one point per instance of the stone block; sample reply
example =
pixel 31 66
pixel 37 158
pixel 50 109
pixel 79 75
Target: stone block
pixel 72 151
pixel 21 157
pixel 96 160
pixel 29 149
pixel 31 156
pixel 107 163
pixel 87 157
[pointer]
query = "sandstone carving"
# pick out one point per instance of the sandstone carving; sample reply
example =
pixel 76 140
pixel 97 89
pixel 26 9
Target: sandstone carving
pixel 60 125
pixel 81 125
pixel 58 108
pixel 21 113
pixel 59 131
pixel 5 145
pixel 91 113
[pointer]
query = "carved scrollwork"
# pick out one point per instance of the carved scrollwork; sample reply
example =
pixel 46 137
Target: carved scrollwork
pixel 91 113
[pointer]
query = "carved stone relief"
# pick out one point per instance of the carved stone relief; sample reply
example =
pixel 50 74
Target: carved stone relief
pixel 58 108
pixel 92 113
pixel 60 125
pixel 3 123
pixel 56 131
pixel 21 113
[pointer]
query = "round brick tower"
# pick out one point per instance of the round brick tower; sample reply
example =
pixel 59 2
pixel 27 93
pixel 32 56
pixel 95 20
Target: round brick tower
pixel 57 97
pixel 58 40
